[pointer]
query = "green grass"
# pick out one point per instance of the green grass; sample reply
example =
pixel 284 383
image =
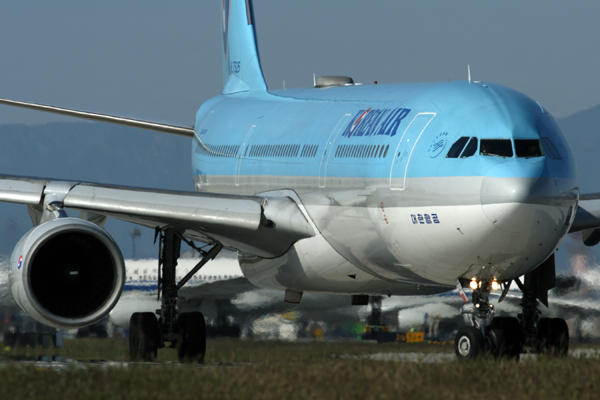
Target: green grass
pixel 228 350
pixel 307 370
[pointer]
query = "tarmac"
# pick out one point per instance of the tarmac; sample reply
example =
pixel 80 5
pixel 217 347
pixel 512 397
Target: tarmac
pixel 61 364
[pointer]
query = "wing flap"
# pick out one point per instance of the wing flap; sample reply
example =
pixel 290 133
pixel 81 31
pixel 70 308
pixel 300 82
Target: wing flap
pixel 22 190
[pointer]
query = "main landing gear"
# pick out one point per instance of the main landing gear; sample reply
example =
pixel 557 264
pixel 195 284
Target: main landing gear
pixel 185 331
pixel 509 336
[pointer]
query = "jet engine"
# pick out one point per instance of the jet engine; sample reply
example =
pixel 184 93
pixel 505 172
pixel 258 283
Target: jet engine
pixel 67 273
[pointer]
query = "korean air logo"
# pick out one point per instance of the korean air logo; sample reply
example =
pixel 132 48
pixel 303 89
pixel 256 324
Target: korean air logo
pixel 438 144
pixel 373 122
pixel 20 262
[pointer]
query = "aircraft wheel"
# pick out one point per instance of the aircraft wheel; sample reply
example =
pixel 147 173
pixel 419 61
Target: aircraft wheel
pixel 468 343
pixel 191 346
pixel 553 335
pixel 10 339
pixel 511 333
pixel 498 343
pixel 143 337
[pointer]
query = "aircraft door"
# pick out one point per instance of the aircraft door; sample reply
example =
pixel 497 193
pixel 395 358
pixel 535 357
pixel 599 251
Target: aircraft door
pixel 405 148
pixel 328 149
pixel 242 155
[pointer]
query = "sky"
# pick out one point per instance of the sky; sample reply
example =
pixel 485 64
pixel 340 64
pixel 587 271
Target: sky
pixel 160 60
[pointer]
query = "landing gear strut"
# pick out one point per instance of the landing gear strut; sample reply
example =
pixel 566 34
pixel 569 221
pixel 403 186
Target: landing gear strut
pixel 509 336
pixel 186 331
pixel 541 335
pixel 479 338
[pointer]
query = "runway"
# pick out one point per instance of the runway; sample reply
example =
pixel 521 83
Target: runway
pixel 61 364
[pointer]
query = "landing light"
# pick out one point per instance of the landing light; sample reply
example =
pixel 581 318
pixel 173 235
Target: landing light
pixel 473 284
pixel 495 285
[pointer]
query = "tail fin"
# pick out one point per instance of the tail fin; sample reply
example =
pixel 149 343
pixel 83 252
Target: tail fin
pixel 241 64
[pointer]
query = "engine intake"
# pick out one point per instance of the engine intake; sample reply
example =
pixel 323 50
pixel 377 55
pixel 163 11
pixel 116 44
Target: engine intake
pixel 67 273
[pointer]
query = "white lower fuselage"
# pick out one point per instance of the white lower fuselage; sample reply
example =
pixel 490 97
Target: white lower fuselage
pixel 377 240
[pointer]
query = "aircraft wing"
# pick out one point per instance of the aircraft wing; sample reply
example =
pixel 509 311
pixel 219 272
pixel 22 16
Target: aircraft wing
pixel 264 226
pixel 587 219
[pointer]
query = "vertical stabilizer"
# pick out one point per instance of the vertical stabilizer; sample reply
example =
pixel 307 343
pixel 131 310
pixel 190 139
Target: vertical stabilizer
pixel 241 64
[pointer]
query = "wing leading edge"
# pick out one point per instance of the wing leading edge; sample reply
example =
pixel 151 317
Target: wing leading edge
pixel 136 123
pixel 587 219
pixel 264 226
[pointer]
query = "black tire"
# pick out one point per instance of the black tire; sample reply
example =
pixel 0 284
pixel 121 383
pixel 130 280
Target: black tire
pixel 26 339
pixel 498 343
pixel 559 337
pixel 469 343
pixel 191 346
pixel 553 336
pixel 542 334
pixel 512 333
pixel 10 339
pixel 143 337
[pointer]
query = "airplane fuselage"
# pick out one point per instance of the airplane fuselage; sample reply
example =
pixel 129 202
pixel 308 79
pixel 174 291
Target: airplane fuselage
pixel 373 167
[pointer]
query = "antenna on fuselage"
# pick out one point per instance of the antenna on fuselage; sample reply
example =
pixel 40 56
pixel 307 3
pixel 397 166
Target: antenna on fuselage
pixel 314 80
pixel 469 72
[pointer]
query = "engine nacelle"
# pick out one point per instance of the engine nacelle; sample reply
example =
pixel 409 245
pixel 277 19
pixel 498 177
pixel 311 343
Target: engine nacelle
pixel 67 273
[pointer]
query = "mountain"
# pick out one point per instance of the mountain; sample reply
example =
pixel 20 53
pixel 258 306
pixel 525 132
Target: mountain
pixel 93 152
pixel 581 131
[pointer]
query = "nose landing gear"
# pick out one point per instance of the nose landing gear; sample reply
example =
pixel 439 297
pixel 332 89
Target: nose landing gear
pixel 481 338
pixel 509 336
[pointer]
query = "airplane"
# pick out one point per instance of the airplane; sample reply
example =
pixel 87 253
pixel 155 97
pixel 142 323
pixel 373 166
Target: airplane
pixel 386 190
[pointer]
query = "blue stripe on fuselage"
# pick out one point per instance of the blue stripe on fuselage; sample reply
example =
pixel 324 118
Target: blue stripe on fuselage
pixel 295 119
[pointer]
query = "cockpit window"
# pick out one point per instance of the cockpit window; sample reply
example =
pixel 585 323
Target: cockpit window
pixel 457 147
pixel 496 147
pixel 528 148
pixel 550 148
pixel 470 149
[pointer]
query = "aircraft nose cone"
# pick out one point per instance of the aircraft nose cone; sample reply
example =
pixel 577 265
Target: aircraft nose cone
pixel 510 193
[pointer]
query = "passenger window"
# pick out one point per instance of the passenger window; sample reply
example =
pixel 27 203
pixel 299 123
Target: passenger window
pixel 457 147
pixel 551 150
pixel 528 148
pixel 471 148
pixel 496 147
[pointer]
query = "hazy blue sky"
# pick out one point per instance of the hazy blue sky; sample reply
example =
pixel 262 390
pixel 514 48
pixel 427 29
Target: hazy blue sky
pixel 161 60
